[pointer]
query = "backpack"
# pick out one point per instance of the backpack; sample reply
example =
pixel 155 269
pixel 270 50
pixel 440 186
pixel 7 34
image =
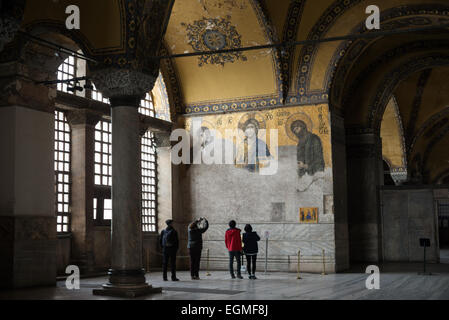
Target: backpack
pixel 168 238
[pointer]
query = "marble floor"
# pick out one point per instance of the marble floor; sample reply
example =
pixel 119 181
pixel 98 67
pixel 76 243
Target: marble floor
pixel 397 281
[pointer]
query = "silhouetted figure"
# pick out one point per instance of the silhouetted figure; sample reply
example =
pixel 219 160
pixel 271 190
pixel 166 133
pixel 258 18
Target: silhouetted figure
pixel 170 244
pixel 195 246
pixel 250 248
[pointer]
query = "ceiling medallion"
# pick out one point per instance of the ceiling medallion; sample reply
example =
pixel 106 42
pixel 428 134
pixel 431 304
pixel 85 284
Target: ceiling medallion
pixel 214 34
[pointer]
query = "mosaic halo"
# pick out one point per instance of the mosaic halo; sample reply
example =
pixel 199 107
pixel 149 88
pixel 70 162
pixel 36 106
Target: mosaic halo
pixel 252 115
pixel 297 116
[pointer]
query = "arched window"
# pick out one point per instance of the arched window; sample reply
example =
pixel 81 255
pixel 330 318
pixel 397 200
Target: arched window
pixel 72 67
pixel 62 172
pixel 149 170
pixel 149 183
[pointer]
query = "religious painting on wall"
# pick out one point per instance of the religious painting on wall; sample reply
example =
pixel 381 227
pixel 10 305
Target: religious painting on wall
pixel 252 151
pixel 308 215
pixel 310 157
pixel 297 139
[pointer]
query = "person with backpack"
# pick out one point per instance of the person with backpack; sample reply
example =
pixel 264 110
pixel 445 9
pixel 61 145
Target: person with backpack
pixel 233 242
pixel 250 248
pixel 195 245
pixel 170 244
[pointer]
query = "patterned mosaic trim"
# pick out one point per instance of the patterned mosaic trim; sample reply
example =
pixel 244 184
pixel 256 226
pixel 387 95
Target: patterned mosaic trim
pixel 174 88
pixel 259 103
pixel 290 32
pixel 308 53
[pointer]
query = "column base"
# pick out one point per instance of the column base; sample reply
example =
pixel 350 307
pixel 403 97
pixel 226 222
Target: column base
pixel 111 290
pixel 126 284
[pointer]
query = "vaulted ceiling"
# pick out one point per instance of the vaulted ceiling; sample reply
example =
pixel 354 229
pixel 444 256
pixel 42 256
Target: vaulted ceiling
pixel 423 102
pixel 357 78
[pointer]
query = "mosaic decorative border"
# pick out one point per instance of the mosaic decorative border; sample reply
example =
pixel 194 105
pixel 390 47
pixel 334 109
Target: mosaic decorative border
pixel 294 15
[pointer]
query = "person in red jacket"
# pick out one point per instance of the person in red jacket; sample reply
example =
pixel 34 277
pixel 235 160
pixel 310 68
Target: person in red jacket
pixel 234 244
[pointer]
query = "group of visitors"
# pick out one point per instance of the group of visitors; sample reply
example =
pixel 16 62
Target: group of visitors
pixel 235 243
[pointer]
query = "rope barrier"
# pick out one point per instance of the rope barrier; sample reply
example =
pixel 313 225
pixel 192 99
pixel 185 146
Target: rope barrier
pixel 299 262
pixel 279 259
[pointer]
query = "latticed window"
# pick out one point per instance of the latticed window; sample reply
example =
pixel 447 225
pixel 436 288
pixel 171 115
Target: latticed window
pixel 62 171
pixel 147 106
pixel 103 154
pixel 149 183
pixel 66 71
pixel 97 95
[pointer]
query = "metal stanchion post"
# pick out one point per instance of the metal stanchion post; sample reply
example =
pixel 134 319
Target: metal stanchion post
pixel 299 263
pixel 266 251
pixel 148 260
pixel 207 265
pixel 324 264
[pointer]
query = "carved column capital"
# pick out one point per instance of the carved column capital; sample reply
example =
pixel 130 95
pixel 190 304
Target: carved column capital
pixel 116 83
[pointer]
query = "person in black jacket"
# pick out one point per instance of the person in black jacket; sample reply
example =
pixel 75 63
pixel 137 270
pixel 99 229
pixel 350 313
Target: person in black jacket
pixel 250 248
pixel 170 244
pixel 195 245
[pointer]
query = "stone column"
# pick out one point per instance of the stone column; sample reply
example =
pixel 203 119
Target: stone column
pixel 125 89
pixel 82 123
pixel 339 201
pixel 27 180
pixel 365 175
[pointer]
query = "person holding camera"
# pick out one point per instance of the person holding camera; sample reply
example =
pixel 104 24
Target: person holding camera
pixel 195 245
